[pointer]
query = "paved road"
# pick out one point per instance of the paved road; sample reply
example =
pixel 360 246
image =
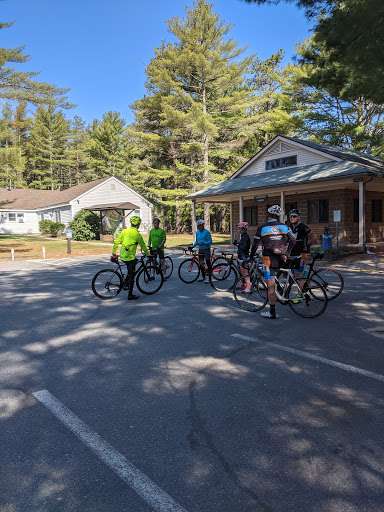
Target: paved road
pixel 155 405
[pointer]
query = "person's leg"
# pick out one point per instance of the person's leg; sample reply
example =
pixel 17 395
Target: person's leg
pixel 201 259
pixel 160 252
pixel 269 276
pixel 131 265
pixel 208 263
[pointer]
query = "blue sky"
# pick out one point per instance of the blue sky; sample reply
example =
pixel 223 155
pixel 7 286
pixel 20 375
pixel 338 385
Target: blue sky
pixel 100 49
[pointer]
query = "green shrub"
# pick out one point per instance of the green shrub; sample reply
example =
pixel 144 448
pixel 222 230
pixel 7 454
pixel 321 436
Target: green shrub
pixel 57 228
pixel 85 226
pixel 45 226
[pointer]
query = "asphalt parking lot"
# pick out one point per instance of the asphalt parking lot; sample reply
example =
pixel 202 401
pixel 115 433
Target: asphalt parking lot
pixel 182 401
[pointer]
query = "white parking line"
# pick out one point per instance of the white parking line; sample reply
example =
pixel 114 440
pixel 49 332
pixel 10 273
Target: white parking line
pixel 343 366
pixel 140 483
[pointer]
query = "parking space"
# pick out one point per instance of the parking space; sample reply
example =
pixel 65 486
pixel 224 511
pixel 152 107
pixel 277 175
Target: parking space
pixel 182 401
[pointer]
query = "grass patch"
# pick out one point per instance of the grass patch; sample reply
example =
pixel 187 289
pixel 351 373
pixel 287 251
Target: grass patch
pixel 30 247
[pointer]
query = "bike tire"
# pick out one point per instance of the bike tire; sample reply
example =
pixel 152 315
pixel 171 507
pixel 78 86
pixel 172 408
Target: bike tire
pixel 223 277
pixel 312 302
pixel 189 271
pixel 168 267
pixel 144 282
pixel 107 284
pixel 331 280
pixel 256 299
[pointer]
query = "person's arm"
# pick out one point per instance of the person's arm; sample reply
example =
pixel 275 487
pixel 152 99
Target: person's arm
pixel 116 244
pixel 311 239
pixel 150 239
pixel 291 242
pixel 256 243
pixel 141 242
pixel 161 246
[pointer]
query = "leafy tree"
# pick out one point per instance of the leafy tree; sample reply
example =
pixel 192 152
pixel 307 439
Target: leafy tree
pixel 107 145
pixel 348 49
pixel 47 148
pixel 22 86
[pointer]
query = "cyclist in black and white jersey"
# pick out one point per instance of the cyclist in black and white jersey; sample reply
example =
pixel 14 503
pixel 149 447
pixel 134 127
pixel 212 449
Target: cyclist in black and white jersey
pixel 277 241
pixel 305 237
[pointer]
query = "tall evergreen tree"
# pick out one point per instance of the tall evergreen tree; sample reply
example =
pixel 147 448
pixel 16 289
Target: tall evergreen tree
pixel 48 149
pixel 195 109
pixel 22 85
pixel 12 160
pixel 107 146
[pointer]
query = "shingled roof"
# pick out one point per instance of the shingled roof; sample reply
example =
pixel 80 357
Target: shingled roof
pixel 31 199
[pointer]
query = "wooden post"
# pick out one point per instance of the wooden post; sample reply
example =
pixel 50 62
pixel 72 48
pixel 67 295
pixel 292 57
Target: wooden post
pixel 362 214
pixel 193 215
pixel 282 206
pixel 68 246
pixel 241 209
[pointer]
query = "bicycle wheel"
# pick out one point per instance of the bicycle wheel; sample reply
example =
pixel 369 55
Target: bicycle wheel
pixel 189 271
pixel 107 283
pixel 149 280
pixel 253 301
pixel 168 267
pixel 223 277
pixel 331 280
pixel 309 302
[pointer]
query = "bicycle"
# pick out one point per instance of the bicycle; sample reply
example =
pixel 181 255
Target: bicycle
pixel 108 283
pixel 168 264
pixel 331 280
pixel 189 271
pixel 225 275
pixel 308 301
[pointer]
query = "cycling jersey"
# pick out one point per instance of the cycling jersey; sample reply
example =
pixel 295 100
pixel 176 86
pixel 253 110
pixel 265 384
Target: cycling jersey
pixel 156 238
pixel 129 239
pixel 243 246
pixel 274 237
pixel 203 237
pixel 300 232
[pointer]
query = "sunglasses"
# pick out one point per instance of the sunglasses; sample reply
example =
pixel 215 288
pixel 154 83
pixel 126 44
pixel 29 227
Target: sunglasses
pixel 293 216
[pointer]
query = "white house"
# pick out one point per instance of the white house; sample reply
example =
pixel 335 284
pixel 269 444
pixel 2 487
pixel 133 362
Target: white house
pixel 21 210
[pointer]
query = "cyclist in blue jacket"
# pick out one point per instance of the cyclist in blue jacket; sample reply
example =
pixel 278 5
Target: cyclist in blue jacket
pixel 204 241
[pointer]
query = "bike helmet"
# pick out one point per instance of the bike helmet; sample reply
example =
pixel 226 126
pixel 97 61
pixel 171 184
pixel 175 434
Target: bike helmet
pixel 242 225
pixel 200 222
pixel 275 210
pixel 135 221
pixel 296 211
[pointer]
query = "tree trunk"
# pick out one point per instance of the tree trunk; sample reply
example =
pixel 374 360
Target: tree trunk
pixel 177 207
pixel 207 220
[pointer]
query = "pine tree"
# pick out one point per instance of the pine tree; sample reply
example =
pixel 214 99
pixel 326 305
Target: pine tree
pixel 12 160
pixel 107 146
pixel 22 86
pixel 194 116
pixel 48 149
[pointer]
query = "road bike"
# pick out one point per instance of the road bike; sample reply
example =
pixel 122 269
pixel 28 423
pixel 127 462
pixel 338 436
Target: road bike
pixel 155 261
pixel 108 283
pixel 307 299
pixel 190 269
pixel 331 280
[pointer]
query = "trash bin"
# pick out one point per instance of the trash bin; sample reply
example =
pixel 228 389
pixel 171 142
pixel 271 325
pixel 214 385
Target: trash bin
pixel 327 240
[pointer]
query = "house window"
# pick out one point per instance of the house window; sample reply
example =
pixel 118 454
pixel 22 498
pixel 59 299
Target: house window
pixel 377 210
pixel 12 217
pixel 58 216
pixel 278 163
pixel 356 209
pixel 251 215
pixel 318 211
pixel 20 217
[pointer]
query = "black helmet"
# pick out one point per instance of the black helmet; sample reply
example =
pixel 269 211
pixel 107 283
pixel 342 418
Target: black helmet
pixel 295 210
pixel 156 220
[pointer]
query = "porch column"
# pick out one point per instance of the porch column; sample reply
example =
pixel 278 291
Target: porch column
pixel 361 214
pixel 230 222
pixel 241 209
pixel 282 206
pixel 193 215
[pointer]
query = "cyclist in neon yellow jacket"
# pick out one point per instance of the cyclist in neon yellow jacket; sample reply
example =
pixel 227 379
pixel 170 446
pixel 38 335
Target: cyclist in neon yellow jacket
pixel 129 240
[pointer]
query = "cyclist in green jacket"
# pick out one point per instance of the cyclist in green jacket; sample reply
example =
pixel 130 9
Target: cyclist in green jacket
pixel 129 240
pixel 157 238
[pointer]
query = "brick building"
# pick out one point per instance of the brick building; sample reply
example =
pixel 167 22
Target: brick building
pixel 324 182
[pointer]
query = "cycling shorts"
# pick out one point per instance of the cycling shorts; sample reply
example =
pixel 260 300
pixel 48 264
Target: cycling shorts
pixel 271 264
pixel 160 252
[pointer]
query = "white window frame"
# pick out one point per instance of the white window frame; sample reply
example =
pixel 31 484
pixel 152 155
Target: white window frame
pixel 9 217
pixel 20 217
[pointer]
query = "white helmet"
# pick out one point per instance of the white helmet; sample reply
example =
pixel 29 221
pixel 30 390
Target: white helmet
pixel 200 222
pixel 275 210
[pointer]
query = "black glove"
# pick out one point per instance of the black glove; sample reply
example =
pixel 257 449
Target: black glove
pixel 114 259
pixel 235 242
pixel 152 252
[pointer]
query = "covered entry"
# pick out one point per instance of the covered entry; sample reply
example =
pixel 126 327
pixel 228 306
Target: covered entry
pixel 112 218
